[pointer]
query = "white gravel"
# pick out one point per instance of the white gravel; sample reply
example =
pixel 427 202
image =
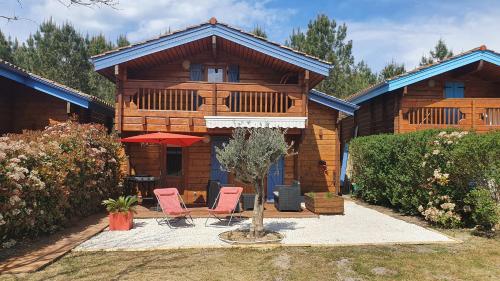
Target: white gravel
pixel 359 225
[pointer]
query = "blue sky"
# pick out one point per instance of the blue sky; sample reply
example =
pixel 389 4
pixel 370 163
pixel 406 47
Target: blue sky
pixel 381 31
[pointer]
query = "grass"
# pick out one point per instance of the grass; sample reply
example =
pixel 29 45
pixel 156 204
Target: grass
pixel 475 259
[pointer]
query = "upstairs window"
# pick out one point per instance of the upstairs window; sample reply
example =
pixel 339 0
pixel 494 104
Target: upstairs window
pixel 215 74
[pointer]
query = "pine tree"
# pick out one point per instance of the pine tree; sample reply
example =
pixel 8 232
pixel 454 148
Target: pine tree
pixel 327 40
pixel 439 53
pixel 259 31
pixel 122 41
pixel 391 70
pixel 58 53
pixel 6 47
pixel 99 85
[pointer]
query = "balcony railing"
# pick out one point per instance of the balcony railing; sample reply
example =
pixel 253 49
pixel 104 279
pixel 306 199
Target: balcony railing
pixel 214 99
pixel 467 113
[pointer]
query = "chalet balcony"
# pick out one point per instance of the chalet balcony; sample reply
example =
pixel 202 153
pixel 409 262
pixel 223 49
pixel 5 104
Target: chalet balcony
pixel 161 106
pixel 480 114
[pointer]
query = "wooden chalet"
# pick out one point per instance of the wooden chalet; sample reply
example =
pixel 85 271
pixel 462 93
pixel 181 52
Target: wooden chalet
pixel 31 102
pixel 207 80
pixel 460 92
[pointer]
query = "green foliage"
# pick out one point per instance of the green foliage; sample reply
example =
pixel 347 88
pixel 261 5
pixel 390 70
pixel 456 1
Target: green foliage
pixel 121 205
pixel 60 53
pixel 391 70
pixel 5 48
pixel 50 177
pixel 328 41
pixel 485 211
pixel 122 41
pixel 428 172
pixel 250 158
pixel 259 31
pixel 439 53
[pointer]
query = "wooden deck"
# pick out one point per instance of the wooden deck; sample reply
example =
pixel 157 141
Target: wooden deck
pixel 149 211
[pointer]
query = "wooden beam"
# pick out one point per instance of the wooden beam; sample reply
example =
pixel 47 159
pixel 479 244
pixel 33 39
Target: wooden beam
pixel 121 78
pixel 214 47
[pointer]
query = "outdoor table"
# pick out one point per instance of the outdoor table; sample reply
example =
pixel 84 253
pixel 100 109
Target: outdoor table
pixel 144 185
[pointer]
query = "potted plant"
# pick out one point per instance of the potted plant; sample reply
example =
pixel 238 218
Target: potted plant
pixel 324 203
pixel 121 212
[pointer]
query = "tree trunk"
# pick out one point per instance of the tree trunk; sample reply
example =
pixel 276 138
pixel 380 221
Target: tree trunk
pixel 257 227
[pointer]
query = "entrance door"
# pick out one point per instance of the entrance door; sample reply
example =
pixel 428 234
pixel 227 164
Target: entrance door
pixel 276 176
pixel 174 169
pixel 216 172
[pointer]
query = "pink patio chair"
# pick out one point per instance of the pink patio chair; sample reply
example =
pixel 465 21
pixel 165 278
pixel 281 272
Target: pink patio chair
pixel 227 200
pixel 172 205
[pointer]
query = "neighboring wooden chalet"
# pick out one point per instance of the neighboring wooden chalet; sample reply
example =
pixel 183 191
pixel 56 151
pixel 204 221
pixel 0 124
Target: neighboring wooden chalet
pixel 461 92
pixel 208 79
pixel 31 102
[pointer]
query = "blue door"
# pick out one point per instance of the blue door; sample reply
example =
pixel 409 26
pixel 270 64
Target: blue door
pixel 275 177
pixel 453 90
pixel 216 172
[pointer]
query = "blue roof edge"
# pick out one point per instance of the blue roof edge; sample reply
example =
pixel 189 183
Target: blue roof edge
pixel 419 75
pixel 52 89
pixel 203 31
pixel 332 102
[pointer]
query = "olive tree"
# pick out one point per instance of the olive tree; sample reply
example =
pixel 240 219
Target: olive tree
pixel 249 155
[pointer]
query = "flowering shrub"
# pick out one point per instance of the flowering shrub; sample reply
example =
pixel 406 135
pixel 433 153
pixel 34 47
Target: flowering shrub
pixel 49 177
pixel 427 172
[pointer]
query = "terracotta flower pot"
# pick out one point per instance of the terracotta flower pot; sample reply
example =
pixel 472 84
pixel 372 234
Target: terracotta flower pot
pixel 121 221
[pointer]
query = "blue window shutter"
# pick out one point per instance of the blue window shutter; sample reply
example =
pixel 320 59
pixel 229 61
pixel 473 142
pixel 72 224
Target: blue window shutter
pixel 454 90
pixel 196 72
pixel 233 73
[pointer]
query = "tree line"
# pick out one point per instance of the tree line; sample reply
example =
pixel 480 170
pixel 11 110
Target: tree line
pixel 61 53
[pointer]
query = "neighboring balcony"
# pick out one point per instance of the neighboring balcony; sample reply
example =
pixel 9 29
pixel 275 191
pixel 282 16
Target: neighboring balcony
pixel 480 114
pixel 160 106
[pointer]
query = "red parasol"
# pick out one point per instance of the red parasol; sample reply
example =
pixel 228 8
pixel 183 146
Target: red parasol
pixel 164 138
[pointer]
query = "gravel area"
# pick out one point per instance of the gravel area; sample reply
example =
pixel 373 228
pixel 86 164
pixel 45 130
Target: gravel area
pixel 359 225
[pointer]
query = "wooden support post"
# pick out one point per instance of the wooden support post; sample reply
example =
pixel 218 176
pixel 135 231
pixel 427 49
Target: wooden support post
pixel 473 113
pixel 214 47
pixel 214 100
pixel 121 77
pixel 305 93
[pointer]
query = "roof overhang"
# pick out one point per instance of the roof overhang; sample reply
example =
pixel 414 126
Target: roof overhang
pixel 206 30
pixel 332 102
pixel 213 122
pixel 43 85
pixel 428 72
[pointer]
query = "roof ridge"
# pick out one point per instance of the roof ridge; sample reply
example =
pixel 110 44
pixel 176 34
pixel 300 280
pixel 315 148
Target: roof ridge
pixel 417 69
pixel 212 21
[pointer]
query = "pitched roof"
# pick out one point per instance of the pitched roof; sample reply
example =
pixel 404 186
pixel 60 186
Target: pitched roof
pixel 332 102
pixel 204 30
pixel 425 72
pixel 47 86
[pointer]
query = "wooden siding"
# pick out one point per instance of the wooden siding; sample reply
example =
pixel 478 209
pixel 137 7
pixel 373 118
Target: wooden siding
pixel 319 143
pixel 28 109
pixel 420 106
pixel 375 117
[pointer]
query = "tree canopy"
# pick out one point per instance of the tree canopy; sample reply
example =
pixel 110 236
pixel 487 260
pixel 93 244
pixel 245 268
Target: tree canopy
pixel 259 31
pixel 60 53
pixel 439 53
pixel 327 40
pixel 392 69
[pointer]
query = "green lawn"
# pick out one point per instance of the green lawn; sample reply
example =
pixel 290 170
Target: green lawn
pixel 475 259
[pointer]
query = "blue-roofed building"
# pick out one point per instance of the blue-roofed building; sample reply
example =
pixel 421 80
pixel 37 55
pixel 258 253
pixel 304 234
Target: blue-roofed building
pixel 462 91
pixel 31 102
pixel 208 79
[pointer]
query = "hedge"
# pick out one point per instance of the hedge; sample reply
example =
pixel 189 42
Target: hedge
pixel 50 177
pixel 429 173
